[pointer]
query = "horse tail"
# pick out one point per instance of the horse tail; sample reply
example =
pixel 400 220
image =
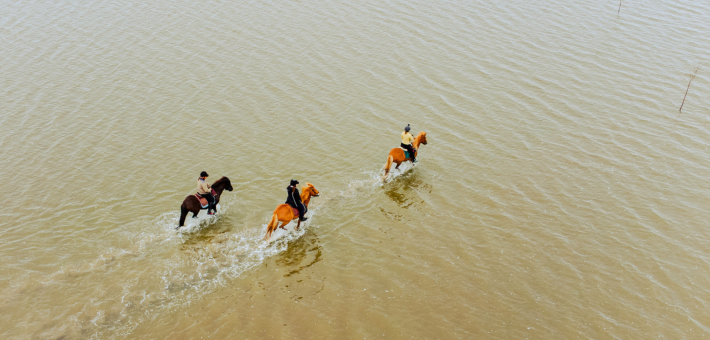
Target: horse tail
pixel 183 214
pixel 388 165
pixel 272 226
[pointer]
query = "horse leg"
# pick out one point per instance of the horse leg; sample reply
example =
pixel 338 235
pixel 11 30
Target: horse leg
pixel 183 214
pixel 283 225
pixel 299 223
pixel 388 165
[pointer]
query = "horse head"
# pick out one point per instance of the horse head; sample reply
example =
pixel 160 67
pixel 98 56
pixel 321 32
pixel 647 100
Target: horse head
pixel 227 183
pixel 309 188
pixel 422 137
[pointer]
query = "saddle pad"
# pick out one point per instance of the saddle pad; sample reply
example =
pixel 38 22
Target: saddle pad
pixel 203 201
pixel 295 211
pixel 406 153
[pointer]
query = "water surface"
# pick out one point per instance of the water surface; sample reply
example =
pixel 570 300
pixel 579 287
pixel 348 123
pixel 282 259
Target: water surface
pixel 561 195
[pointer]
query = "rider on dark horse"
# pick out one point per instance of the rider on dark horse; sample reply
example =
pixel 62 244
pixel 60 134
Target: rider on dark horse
pixel 294 199
pixel 407 140
pixel 205 190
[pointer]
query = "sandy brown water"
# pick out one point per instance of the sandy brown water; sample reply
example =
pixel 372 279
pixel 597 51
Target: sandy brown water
pixel 561 194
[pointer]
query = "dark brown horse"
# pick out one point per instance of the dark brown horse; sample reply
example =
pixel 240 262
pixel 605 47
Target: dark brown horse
pixel 192 204
pixel 397 154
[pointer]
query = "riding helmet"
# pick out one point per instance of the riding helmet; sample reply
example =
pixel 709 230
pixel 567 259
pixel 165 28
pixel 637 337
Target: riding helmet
pixel 407 128
pixel 204 174
pixel 294 182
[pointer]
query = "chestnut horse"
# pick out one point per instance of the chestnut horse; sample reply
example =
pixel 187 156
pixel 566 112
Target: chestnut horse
pixel 192 204
pixel 284 213
pixel 397 154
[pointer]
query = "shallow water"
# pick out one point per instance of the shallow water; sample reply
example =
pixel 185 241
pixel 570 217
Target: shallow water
pixel 561 194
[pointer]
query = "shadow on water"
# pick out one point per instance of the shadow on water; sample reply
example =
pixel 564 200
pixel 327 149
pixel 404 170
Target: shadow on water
pixel 404 189
pixel 207 233
pixel 301 253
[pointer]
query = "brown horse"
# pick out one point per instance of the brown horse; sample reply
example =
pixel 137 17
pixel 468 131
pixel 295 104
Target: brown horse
pixel 284 213
pixel 192 204
pixel 397 154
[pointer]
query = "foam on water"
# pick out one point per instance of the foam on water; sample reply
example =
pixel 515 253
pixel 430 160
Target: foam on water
pixel 403 169
pixel 207 266
pixel 202 220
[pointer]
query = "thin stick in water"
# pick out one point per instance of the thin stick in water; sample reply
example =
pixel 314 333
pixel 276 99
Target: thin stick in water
pixel 692 76
pixel 617 12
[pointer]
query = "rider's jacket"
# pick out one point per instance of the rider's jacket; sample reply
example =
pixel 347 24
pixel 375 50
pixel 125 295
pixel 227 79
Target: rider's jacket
pixel 407 138
pixel 203 187
pixel 294 197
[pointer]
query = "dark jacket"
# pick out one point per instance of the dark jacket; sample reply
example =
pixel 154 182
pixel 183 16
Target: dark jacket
pixel 294 197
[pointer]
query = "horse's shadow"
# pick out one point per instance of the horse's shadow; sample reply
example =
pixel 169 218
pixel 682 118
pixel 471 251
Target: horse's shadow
pixel 404 190
pixel 301 253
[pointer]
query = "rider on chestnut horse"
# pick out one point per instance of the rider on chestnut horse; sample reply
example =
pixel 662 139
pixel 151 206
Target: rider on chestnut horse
pixel 407 140
pixel 284 213
pixel 294 200
pixel 205 190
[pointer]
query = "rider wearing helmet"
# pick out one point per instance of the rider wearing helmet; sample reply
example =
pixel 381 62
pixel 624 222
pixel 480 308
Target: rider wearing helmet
pixel 205 190
pixel 294 199
pixel 407 140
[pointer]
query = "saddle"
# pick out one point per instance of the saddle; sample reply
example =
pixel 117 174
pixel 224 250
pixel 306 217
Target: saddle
pixel 203 201
pixel 406 153
pixel 295 211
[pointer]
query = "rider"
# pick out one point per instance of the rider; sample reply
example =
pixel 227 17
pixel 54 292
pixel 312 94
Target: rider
pixel 294 199
pixel 407 140
pixel 205 190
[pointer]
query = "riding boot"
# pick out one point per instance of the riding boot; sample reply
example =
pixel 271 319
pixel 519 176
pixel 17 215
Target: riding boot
pixel 212 209
pixel 302 213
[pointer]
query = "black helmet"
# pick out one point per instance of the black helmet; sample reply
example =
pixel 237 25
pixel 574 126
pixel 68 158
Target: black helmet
pixel 407 128
pixel 204 174
pixel 294 182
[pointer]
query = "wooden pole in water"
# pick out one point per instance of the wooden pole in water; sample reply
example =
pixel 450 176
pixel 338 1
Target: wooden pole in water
pixel 692 76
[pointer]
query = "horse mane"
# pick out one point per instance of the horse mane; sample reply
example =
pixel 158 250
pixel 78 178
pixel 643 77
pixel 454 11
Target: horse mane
pixel 419 136
pixel 219 181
